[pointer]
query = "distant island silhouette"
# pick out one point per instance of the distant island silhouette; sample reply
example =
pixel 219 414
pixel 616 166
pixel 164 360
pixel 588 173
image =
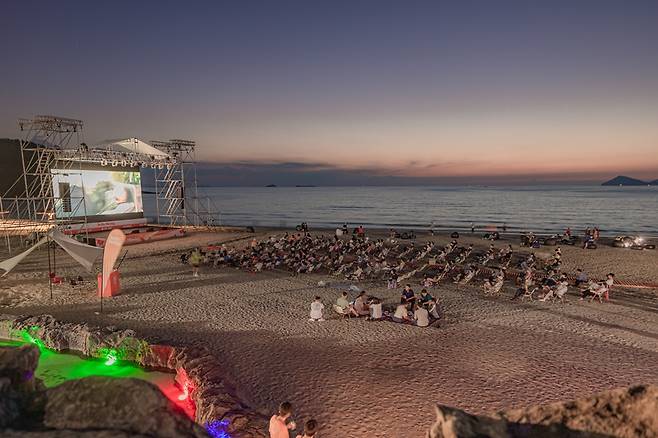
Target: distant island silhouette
pixel 622 180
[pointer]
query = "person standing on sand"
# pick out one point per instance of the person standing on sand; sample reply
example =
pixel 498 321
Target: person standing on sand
pixel 472 227
pixel 195 261
pixel 278 426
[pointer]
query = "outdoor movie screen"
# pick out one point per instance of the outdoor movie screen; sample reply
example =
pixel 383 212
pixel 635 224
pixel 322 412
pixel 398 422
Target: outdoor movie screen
pixel 105 192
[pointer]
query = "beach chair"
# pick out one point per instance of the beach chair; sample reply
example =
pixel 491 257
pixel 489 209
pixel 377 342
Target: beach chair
pixel 529 293
pixel 600 293
pixel 560 292
pixel 495 288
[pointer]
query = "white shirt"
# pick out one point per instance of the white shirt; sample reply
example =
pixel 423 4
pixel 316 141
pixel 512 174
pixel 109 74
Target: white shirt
pixel 316 309
pixel 376 310
pixel 400 311
pixel 422 317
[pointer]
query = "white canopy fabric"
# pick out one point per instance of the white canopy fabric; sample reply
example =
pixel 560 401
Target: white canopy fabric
pixel 84 254
pixel 11 263
pixel 131 145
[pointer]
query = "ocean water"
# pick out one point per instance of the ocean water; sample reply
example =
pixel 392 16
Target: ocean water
pixel 542 209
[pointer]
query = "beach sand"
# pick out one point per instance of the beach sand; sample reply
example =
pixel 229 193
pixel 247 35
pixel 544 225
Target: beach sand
pixel 371 379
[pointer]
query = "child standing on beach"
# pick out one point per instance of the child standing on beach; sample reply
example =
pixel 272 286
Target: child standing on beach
pixel 195 261
pixel 310 429
pixel 278 423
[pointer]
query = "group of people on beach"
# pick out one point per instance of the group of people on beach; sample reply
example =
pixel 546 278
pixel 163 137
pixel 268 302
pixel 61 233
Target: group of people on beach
pixel 549 281
pixel 422 310
pixel 359 258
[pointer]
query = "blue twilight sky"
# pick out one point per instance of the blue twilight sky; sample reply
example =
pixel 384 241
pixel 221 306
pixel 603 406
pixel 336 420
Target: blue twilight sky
pixel 360 91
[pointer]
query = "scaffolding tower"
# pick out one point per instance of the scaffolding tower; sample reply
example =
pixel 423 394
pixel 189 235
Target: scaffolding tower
pixel 44 138
pixel 176 192
pixel 172 182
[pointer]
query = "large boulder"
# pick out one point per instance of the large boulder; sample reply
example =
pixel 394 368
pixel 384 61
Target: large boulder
pixel 625 413
pixel 128 405
pixel 454 423
pixel 17 383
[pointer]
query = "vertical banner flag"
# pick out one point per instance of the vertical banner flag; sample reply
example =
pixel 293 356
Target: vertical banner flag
pixel 111 253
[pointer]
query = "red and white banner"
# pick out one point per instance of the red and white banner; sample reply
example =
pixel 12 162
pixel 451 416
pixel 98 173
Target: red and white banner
pixel 110 254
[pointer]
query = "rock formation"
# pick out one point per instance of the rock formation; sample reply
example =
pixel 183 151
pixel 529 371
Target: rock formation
pixel 94 406
pixel 214 398
pixel 625 413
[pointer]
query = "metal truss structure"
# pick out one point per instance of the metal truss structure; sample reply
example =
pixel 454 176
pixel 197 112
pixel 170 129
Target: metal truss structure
pixel 176 191
pixel 51 142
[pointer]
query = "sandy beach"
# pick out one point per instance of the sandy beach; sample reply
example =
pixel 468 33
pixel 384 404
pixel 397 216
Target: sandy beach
pixel 374 379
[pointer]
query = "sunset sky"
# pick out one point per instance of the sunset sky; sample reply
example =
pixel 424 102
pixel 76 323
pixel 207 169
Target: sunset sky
pixel 468 90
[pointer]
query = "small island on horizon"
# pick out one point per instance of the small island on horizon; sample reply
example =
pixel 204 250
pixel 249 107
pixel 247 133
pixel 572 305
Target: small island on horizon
pixel 623 180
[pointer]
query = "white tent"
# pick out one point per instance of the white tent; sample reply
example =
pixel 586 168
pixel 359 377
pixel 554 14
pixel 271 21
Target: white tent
pixel 84 254
pixel 131 145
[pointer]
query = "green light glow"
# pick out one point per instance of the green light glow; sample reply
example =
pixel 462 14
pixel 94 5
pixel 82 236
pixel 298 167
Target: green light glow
pixel 111 358
pixel 55 368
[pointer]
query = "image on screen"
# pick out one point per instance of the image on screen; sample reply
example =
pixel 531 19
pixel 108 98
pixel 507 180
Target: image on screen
pixel 104 192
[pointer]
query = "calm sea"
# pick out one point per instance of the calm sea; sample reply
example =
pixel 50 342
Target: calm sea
pixel 539 208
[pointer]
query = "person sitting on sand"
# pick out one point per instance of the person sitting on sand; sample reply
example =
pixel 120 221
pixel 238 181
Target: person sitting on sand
pixel 375 309
pixel 421 316
pixel 278 423
pixel 361 306
pixel 425 297
pixel 401 314
pixel 317 310
pixel 342 301
pixel 408 297
pixel 310 429
pixel 345 305
pixel 434 309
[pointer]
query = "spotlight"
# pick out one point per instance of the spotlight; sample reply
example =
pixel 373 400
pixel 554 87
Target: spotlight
pixel 111 358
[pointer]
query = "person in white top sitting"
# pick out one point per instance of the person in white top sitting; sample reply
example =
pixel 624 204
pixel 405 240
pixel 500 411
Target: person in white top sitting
pixel 317 310
pixel 401 313
pixel 375 309
pixel 421 316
